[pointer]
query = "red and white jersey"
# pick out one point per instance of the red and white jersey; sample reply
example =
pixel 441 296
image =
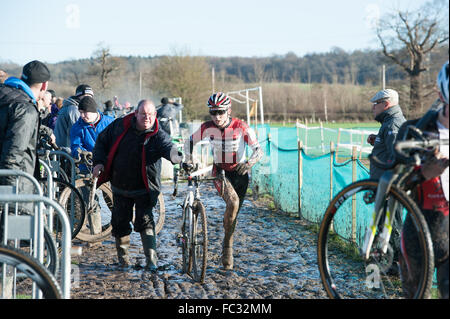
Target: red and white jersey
pixel 228 144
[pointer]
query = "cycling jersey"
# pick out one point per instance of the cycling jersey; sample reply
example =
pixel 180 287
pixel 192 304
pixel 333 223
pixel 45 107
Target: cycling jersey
pixel 228 144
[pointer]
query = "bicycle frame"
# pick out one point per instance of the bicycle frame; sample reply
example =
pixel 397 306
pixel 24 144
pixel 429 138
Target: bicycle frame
pixel 393 176
pixel 384 185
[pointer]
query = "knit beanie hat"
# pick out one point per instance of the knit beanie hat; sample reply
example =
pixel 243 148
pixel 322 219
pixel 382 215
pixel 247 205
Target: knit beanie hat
pixel 88 104
pixel 35 72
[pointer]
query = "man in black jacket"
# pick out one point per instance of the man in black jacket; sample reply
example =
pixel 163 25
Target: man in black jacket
pixel 128 153
pixel 19 121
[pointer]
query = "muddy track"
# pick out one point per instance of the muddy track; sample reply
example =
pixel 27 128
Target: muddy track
pixel 274 257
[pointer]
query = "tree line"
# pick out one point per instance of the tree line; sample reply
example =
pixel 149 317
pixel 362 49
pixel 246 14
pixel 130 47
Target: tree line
pixel 334 85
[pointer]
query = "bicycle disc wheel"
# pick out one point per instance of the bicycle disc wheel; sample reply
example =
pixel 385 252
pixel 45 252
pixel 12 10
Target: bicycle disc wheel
pixel 159 213
pixel 103 206
pixel 18 273
pixel 199 243
pixel 343 270
pixel 71 201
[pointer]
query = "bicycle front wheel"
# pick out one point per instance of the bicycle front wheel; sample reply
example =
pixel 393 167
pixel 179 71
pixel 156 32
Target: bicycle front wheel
pixel 101 213
pixel 343 270
pixel 198 256
pixel 20 272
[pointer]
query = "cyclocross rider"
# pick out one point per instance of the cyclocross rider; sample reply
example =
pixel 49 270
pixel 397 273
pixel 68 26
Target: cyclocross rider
pixel 227 137
pixel 431 195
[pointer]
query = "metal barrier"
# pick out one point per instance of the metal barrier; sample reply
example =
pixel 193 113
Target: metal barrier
pixel 16 227
pixel 55 163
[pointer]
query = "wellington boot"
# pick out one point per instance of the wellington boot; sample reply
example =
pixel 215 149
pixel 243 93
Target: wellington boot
pixel 148 238
pixel 122 245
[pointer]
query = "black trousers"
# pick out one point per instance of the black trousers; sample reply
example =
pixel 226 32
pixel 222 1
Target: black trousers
pixel 122 213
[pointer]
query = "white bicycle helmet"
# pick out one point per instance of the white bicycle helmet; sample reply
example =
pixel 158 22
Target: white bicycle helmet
pixel 219 101
pixel 442 82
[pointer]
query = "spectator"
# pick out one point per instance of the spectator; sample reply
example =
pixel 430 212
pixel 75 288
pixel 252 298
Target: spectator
pixel 167 116
pixel 128 153
pixel 69 114
pixel 19 121
pixel 3 76
pixel 52 92
pixel 91 123
pixel 54 113
pixel 431 193
pixel 386 111
pixel 109 109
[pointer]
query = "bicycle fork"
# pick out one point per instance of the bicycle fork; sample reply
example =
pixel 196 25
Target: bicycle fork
pixel 383 188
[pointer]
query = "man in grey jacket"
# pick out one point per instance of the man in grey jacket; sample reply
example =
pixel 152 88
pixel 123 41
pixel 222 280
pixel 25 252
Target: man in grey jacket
pixel 386 111
pixel 19 121
pixel 167 114
pixel 69 114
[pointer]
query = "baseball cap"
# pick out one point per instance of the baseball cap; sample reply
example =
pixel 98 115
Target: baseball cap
pixel 35 72
pixel 384 95
pixel 83 89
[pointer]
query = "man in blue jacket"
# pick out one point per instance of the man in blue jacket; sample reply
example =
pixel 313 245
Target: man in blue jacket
pixel 91 123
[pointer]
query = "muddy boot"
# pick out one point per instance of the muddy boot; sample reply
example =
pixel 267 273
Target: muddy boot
pixel 122 245
pixel 227 258
pixel 148 238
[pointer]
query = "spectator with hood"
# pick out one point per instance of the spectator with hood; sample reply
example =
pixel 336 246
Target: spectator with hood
pixel 69 114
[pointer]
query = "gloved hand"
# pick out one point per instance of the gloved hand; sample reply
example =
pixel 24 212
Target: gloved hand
pixel 176 156
pixel 243 168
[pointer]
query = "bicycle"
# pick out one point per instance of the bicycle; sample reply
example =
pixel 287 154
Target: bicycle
pixel 73 202
pixel 21 273
pixel 357 266
pixel 193 237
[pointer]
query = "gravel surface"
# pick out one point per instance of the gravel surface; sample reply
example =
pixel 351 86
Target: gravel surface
pixel 274 257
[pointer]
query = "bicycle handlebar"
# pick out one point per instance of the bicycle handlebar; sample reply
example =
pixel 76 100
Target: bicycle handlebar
pixel 428 146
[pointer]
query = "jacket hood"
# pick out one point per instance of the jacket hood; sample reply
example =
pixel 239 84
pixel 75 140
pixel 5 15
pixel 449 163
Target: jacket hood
pixel 19 84
pixel 73 100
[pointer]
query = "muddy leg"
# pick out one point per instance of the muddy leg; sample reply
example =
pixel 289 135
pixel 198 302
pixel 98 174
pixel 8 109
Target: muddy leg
pixel 229 223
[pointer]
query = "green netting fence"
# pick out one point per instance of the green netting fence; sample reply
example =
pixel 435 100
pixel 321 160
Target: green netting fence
pixel 286 171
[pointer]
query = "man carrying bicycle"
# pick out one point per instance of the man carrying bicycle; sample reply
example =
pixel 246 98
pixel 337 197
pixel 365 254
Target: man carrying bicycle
pixel 228 137
pixel 431 194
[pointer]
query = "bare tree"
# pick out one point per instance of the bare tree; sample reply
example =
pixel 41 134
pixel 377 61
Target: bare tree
pixel 183 75
pixel 104 66
pixel 406 37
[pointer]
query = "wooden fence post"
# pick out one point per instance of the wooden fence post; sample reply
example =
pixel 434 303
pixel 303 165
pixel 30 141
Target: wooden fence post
pixel 354 157
pixel 331 168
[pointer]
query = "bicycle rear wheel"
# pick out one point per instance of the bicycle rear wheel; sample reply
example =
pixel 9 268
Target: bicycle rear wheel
pixel 159 213
pixel 18 273
pixel 344 272
pixel 198 255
